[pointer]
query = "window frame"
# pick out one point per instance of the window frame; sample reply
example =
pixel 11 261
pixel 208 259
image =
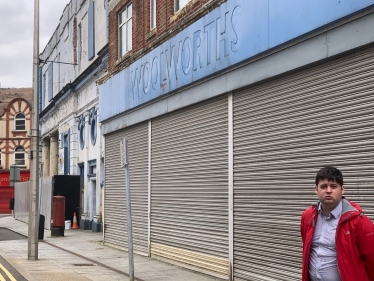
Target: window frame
pixel 120 25
pixel 19 153
pixel 19 119
pixel 152 14
pixel 177 5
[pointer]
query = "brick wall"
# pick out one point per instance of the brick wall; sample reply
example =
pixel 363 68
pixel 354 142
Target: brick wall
pixel 168 23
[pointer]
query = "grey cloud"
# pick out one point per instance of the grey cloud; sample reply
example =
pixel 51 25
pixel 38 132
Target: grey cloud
pixel 16 37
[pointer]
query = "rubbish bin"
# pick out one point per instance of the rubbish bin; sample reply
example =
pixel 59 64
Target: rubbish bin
pixel 11 204
pixel 41 227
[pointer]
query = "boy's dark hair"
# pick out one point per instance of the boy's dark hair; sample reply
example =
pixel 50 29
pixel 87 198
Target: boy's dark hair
pixel 330 173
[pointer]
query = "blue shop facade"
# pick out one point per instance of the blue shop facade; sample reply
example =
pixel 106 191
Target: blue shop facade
pixel 228 122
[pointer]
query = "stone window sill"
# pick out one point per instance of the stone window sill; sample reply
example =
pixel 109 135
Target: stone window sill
pixel 151 33
pixel 183 11
pixel 124 57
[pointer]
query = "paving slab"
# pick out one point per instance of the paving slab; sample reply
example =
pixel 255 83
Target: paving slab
pixel 81 255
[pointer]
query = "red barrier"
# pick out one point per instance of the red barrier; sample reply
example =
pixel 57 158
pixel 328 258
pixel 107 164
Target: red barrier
pixel 7 192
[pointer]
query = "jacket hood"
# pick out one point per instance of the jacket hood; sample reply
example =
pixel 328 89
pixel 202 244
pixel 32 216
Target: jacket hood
pixel 350 206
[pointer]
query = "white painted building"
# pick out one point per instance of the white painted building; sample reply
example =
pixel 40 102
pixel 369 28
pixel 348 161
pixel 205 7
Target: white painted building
pixel 70 65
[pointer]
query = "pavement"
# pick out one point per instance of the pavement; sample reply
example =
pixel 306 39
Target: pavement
pixel 81 256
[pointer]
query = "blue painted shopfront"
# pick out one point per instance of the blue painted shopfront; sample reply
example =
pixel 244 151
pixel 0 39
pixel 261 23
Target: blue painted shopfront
pixel 236 31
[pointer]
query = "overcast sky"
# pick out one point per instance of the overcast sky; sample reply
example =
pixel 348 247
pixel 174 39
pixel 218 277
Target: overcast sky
pixel 16 37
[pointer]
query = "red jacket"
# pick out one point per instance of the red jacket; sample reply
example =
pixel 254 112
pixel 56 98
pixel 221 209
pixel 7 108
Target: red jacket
pixel 354 241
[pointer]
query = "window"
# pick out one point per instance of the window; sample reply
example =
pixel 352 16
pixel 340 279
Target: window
pixel 153 14
pixel 125 30
pixel 40 89
pixel 179 4
pixel 20 122
pixel 81 131
pixel 50 81
pixel 58 72
pixel 19 156
pixel 91 31
pixel 91 168
pixel 65 143
pixel 79 46
pixel 44 88
pixel 0 157
pixel 93 122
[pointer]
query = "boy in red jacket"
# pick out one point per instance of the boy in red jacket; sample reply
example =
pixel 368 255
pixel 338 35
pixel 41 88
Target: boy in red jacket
pixel 338 239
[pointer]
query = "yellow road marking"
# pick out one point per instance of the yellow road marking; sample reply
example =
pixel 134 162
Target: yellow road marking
pixel 7 273
pixel 2 278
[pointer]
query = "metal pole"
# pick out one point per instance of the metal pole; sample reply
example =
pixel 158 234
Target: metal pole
pixel 34 154
pixel 41 187
pixel 129 217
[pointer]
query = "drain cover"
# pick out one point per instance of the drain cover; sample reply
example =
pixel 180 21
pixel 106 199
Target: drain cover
pixel 83 264
pixel 59 276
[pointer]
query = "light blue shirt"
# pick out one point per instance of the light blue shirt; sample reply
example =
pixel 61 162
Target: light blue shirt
pixel 323 264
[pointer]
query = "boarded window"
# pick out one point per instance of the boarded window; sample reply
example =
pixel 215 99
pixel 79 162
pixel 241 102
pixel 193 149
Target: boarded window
pixel 91 31
pixel 65 143
pixel 40 90
pixel 79 46
pixel 50 81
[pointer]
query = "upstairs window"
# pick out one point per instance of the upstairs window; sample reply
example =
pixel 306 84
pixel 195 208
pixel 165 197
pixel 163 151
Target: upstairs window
pixel 20 122
pixel 81 131
pixel 19 156
pixel 79 46
pixel 125 30
pixel 153 14
pixel 91 31
pixel 50 81
pixel 40 89
pixel 179 4
pixel 44 88
pixel 93 122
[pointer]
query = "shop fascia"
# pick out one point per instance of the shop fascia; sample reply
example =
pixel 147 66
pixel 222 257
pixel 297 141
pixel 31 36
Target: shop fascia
pixel 233 32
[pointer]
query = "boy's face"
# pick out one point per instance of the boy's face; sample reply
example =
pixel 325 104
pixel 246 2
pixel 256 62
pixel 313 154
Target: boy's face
pixel 329 193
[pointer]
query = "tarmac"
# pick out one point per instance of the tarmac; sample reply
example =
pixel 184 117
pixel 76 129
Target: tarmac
pixel 81 256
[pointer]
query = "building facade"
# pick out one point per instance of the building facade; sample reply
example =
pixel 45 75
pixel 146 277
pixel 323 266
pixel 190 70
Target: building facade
pixel 230 108
pixel 71 63
pixel 15 143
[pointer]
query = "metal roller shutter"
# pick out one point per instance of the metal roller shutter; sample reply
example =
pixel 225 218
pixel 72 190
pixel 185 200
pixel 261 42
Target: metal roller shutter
pixel 189 198
pixel 284 131
pixel 115 214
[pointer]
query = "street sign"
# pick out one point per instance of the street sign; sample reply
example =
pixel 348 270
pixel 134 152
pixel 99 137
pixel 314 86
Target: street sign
pixel 123 151
pixel 14 175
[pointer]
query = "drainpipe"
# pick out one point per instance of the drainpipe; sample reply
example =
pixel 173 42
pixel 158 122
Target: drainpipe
pixel 107 20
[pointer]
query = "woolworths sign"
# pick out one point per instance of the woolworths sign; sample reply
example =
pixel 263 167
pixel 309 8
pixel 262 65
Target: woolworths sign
pixel 232 33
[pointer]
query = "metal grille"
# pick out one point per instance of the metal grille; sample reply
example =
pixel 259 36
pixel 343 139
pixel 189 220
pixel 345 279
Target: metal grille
pixel 284 131
pixel 189 197
pixel 115 214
